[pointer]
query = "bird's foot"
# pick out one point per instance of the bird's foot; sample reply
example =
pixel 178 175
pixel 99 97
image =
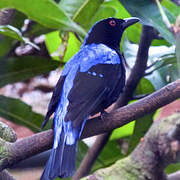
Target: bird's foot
pixel 103 114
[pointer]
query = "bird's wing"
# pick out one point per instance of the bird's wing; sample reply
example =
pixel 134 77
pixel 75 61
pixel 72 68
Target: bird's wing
pixel 92 82
pixel 54 100
pixel 58 89
pixel 89 90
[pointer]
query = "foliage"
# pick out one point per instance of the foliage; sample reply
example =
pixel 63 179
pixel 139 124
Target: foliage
pixel 60 23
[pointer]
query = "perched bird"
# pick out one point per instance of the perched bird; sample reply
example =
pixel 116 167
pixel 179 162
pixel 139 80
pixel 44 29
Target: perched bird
pixel 90 82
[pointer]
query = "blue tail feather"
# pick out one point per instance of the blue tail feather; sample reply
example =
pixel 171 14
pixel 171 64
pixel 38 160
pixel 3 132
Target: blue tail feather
pixel 61 162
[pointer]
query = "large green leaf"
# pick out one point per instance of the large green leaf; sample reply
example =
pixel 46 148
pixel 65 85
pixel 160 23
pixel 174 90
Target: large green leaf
pixel 165 65
pixel 53 43
pixel 21 68
pixel 172 168
pixel 172 7
pixel 72 6
pixel 46 12
pixel 5 45
pixel 86 12
pixel 103 12
pixel 20 113
pixel 149 14
pixel 144 87
pixel 122 132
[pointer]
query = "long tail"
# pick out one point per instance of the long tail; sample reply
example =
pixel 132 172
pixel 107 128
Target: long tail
pixel 61 162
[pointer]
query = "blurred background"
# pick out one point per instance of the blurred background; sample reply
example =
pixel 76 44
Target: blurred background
pixel 38 37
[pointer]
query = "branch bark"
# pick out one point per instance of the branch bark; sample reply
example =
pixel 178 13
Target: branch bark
pixel 157 150
pixel 6 16
pixel 27 147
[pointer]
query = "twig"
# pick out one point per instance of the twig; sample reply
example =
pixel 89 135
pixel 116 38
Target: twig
pixel 164 17
pixel 27 147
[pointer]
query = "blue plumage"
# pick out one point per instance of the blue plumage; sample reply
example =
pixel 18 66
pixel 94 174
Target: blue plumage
pixel 91 81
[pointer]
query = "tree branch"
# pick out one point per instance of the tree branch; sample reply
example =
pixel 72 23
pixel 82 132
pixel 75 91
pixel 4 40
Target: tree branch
pixel 156 151
pixel 6 16
pixel 27 147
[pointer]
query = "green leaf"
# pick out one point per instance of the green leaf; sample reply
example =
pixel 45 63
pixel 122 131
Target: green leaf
pixel 149 14
pixel 20 113
pixel 53 42
pixel 144 87
pixel 72 6
pixel 14 33
pixel 72 47
pixel 21 68
pixel 162 54
pixel 122 132
pixel 5 45
pixel 172 168
pixel 82 150
pixel 45 12
pixel 172 7
pixel 37 30
pixel 86 12
pixel 103 12
pixel 164 71
pixel 11 31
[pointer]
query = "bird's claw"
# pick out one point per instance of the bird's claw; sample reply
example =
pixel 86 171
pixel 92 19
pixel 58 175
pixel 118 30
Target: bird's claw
pixel 103 114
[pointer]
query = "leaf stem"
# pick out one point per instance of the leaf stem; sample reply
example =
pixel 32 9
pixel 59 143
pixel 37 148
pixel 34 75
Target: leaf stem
pixel 163 14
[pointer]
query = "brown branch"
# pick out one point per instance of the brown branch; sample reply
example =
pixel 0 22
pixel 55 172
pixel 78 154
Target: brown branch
pixel 154 153
pixel 147 35
pixel 6 16
pixel 27 147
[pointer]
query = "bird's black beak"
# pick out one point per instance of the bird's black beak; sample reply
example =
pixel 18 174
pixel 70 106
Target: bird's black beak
pixel 129 21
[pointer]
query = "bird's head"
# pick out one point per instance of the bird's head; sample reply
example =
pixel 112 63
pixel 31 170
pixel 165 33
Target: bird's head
pixel 109 31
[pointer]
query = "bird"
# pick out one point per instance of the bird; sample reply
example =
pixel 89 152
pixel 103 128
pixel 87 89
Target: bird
pixel 91 81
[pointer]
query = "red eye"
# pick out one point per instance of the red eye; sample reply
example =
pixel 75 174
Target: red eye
pixel 112 23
